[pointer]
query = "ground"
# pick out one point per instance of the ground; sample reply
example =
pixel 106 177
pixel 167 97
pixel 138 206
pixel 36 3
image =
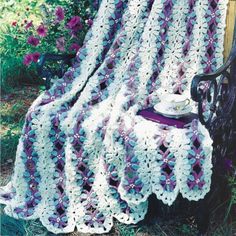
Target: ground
pixel 13 108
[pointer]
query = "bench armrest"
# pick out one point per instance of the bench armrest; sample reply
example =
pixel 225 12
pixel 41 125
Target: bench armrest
pixel 63 61
pixel 216 90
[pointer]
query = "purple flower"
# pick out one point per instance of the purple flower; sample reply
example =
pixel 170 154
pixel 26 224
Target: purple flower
pixel 89 22
pixel 60 15
pixel 228 164
pixel 28 59
pixel 60 44
pixel 74 25
pixel 33 40
pixel 42 31
pixel 74 47
pixel 29 25
pixel 35 56
pixel 74 21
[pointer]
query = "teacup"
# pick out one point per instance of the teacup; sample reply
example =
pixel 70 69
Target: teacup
pixel 176 102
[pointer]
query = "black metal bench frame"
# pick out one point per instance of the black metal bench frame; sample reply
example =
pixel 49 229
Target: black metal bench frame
pixel 221 122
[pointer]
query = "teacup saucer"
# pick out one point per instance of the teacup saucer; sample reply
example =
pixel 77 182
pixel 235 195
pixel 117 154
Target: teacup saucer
pixel 161 109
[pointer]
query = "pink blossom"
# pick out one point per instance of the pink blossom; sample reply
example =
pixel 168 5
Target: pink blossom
pixel 14 23
pixel 42 30
pixel 74 47
pixel 28 58
pixel 29 25
pixel 60 44
pixel 33 40
pixel 60 15
pixel 35 56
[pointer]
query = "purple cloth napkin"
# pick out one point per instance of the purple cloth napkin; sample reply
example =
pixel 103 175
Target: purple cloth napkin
pixel 150 114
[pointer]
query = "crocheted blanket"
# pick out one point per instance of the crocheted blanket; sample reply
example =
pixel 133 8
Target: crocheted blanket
pixel 85 155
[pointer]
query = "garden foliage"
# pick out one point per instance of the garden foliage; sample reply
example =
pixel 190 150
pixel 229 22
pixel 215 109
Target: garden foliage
pixel 31 28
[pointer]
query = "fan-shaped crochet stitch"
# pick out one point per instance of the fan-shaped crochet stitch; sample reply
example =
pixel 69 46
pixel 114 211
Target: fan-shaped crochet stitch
pixel 85 156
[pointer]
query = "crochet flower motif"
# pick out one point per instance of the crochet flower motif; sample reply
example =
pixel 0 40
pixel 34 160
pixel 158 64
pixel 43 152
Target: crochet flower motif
pixel 61 200
pixel 59 221
pixel 168 181
pixel 89 199
pixel 196 156
pixel 196 181
pixel 23 211
pixel 94 219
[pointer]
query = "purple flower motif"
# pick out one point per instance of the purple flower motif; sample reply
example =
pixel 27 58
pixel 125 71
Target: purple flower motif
pixel 133 185
pixel 30 165
pixel 61 200
pixel 23 211
pixel 59 221
pixel 33 197
pixel 132 163
pixel 166 158
pixel 168 181
pixel 94 218
pixel 77 136
pixel 126 137
pixel 112 172
pixel 33 177
pixel 194 134
pixel 60 44
pixel 162 140
pixel 196 155
pixel 50 96
pixel 74 47
pixel 60 15
pixel 59 137
pixel 58 155
pixel 33 40
pixel 27 59
pixel 59 177
pixel 29 154
pixel 88 178
pixel 196 181
pixel 29 25
pixel 42 31
pixel 89 199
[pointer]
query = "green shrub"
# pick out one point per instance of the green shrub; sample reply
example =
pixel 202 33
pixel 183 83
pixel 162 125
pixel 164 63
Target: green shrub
pixel 31 28
pixel 11 226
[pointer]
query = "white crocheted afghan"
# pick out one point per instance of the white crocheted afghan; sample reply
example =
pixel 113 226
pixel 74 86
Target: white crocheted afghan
pixel 85 155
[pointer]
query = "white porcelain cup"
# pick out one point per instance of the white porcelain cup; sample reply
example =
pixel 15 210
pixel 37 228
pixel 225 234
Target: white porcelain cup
pixel 176 102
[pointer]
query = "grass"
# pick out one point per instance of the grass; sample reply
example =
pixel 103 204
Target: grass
pixel 13 109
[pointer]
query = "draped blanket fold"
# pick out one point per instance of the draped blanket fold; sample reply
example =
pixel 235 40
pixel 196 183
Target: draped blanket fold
pixel 85 156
